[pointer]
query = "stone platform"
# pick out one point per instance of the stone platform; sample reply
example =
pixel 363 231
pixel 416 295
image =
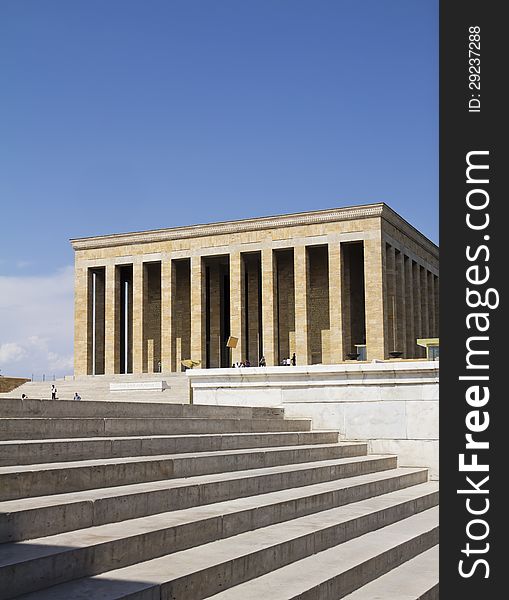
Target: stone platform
pixel 392 405
pixel 156 387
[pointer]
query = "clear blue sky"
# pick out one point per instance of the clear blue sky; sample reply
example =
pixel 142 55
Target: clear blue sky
pixel 124 115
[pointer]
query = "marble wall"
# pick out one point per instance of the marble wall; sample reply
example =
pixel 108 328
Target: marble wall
pixel 392 404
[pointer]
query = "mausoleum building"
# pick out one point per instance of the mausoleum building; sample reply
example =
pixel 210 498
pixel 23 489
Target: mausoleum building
pixel 325 285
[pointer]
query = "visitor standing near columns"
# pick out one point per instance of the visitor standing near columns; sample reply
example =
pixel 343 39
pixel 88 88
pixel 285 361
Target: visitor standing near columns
pixel 294 360
pixel 53 392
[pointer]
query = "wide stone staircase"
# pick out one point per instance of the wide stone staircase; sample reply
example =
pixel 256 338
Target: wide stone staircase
pixel 153 501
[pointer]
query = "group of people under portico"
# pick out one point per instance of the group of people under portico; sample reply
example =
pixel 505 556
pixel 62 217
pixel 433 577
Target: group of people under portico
pixel 263 363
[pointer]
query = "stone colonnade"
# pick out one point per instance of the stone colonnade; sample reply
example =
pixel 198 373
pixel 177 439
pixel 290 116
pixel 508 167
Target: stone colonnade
pixel 320 302
pixel 411 296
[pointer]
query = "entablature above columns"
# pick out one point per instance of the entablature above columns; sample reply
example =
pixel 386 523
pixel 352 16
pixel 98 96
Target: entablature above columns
pixel 222 250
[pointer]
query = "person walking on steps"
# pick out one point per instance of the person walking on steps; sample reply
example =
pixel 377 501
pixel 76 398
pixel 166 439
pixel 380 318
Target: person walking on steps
pixel 53 392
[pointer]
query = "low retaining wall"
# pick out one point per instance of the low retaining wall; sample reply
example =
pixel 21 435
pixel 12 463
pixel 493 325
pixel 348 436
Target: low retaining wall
pixel 393 405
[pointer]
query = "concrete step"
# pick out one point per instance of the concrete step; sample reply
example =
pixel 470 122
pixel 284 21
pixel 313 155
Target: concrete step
pixel 10 407
pixel 16 452
pixel 416 579
pixel 48 515
pixel 331 574
pixel 205 566
pixel 44 428
pixel 72 553
pixel 42 479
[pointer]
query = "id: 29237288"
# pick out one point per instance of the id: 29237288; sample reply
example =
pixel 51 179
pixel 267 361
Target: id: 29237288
pixel 474 68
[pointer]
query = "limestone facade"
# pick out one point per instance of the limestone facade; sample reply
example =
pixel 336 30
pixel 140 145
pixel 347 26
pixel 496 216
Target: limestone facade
pixel 317 284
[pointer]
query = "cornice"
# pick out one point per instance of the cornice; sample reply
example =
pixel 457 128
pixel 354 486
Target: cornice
pixel 367 211
pixel 229 227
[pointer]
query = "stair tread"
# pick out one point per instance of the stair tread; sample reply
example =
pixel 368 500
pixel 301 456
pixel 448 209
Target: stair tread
pixel 162 457
pixel 20 428
pixel 151 417
pixel 409 581
pixel 298 577
pixel 169 436
pixel 12 553
pixel 193 560
pixel 9 506
pixel 91 409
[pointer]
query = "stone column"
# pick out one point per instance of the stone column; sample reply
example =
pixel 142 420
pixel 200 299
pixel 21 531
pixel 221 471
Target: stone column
pixel 301 283
pixel 167 299
pixel 268 307
pixel 346 300
pixel 252 310
pixel 391 298
pixel 424 302
pixel 236 305
pixel 437 306
pixel 198 310
pixel 376 311
pixel 409 303
pixel 431 304
pixel 419 352
pixel 335 314
pixel 401 303
pixel 150 355
pixel 139 295
pixel 111 325
pixel 90 303
pixel 215 342
pixel 81 325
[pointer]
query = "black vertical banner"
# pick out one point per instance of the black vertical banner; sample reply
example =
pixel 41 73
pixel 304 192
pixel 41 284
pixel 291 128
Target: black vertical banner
pixel 474 353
